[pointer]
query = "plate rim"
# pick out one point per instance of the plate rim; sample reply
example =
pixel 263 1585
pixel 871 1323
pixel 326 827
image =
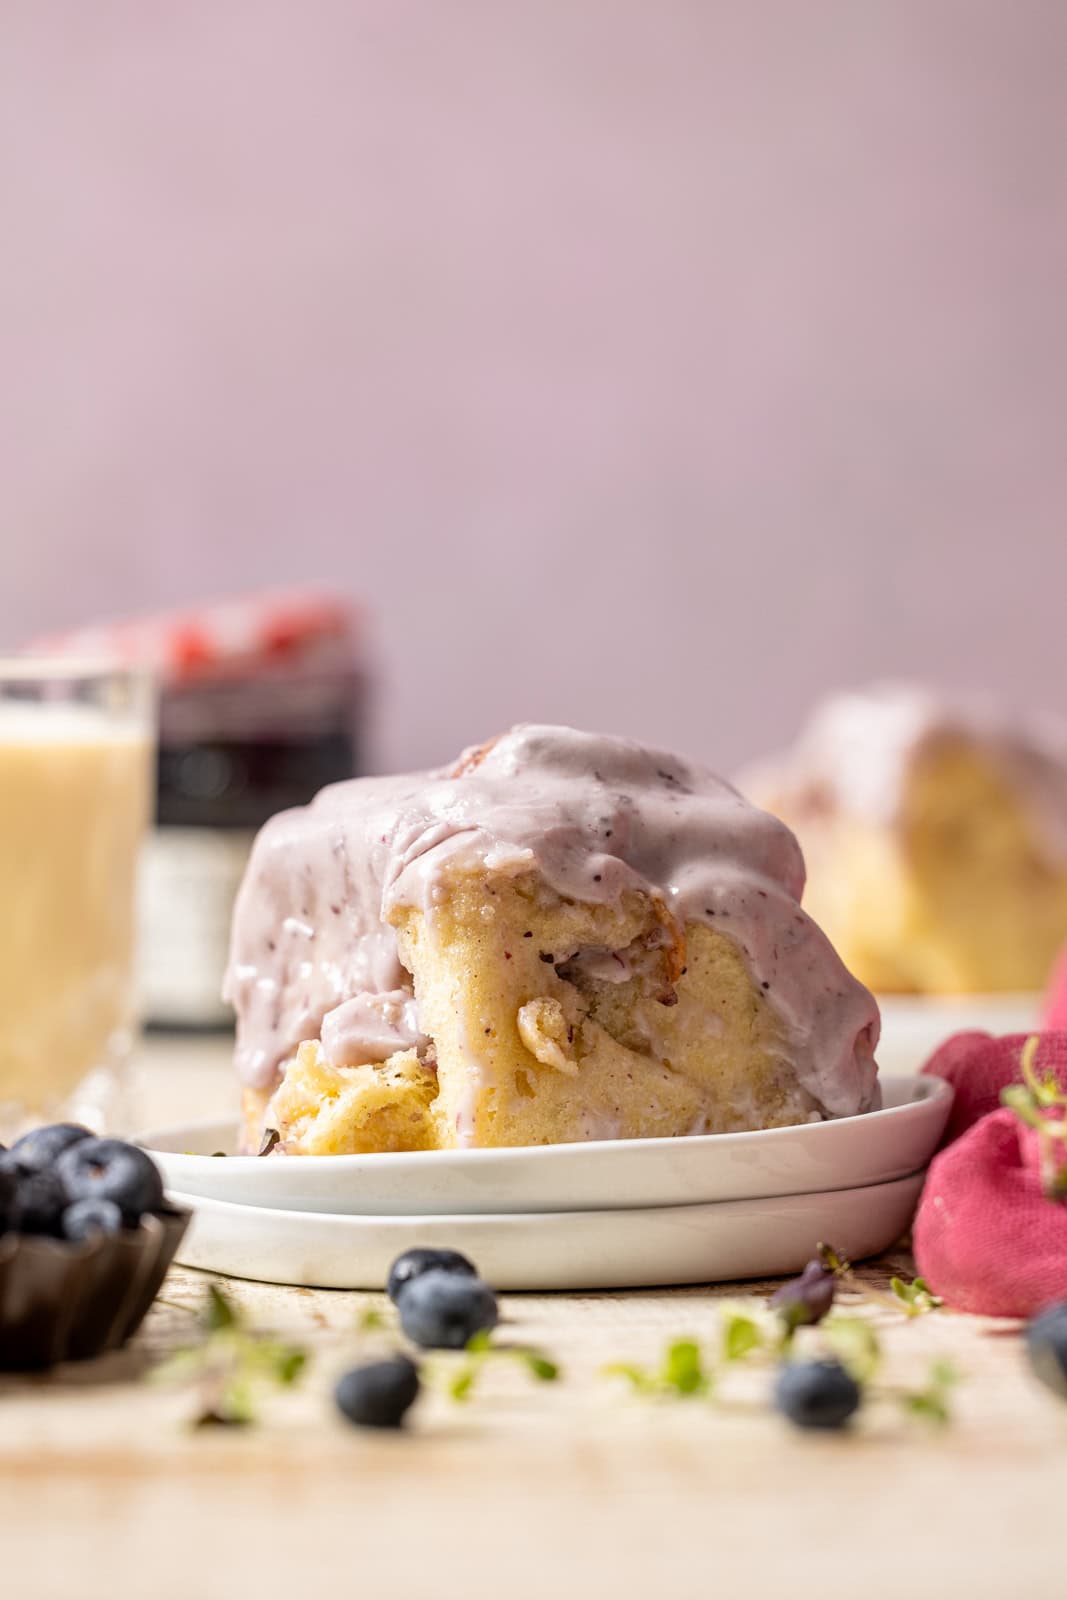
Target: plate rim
pixel 930 1089
pixel 394 1222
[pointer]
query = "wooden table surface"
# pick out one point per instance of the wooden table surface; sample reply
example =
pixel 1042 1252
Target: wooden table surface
pixel 566 1489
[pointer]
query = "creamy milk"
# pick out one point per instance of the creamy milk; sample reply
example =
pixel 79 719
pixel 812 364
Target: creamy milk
pixel 74 794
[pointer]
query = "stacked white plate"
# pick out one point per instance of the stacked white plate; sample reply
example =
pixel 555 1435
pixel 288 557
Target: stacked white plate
pixel 617 1214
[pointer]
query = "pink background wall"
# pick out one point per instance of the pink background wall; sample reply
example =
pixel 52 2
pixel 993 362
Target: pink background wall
pixel 649 365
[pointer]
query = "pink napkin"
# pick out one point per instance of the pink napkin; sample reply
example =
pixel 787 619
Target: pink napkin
pixel 987 1239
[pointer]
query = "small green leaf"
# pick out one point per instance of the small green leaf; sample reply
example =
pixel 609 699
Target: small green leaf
pixel 370 1320
pixel 932 1402
pixel 833 1260
pixel 544 1370
pixel 640 1380
pixel 480 1343
pixel 740 1336
pixel 462 1383
pixel 237 1406
pixel 915 1297
pixel 1019 1099
pixel 290 1365
pixel 220 1311
pixel 855 1343
pixel 928 1405
pixel 945 1373
pixel 683 1368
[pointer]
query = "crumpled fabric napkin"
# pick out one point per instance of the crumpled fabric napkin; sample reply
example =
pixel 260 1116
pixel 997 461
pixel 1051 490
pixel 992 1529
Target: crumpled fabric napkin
pixel 986 1237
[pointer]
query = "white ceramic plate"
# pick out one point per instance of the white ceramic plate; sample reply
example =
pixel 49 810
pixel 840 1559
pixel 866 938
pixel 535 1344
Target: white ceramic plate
pixel 553 1250
pixel 624 1173
pixel 914 1025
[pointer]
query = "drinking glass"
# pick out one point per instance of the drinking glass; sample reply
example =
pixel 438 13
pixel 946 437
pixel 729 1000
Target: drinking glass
pixel 76 776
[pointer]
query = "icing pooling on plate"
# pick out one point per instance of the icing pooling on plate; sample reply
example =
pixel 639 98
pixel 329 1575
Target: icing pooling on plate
pixel 594 816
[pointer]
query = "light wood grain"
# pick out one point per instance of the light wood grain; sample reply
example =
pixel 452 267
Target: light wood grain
pixel 571 1489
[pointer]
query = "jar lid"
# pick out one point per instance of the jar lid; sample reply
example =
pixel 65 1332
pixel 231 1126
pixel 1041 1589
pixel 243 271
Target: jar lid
pixel 263 634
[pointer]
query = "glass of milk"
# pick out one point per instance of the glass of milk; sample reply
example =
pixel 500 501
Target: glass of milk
pixel 76 777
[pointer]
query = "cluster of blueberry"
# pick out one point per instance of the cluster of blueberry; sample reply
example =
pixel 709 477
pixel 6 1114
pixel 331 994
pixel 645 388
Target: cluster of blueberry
pixel 64 1183
pixel 812 1394
pixel 442 1304
pixel 824 1394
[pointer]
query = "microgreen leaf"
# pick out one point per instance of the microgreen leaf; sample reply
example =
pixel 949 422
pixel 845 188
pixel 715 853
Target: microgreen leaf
pixel 683 1369
pixel 640 1380
pixel 915 1297
pixel 289 1365
pixel 461 1385
pixel 480 1348
pixel 681 1372
pixel 931 1403
pixel 544 1370
pixel 740 1336
pixel 370 1320
pixel 230 1364
pixel 855 1344
pixel 220 1311
pixel 833 1260
pixel 1034 1101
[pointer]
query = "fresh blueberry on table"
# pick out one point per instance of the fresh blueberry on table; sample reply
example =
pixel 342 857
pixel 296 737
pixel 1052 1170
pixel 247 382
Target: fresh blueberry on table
pixel 86 1218
pixel 379 1394
pixel 807 1299
pixel 42 1146
pixel 108 1169
pixel 413 1263
pixel 40 1200
pixel 816 1394
pixel 443 1310
pixel 1046 1346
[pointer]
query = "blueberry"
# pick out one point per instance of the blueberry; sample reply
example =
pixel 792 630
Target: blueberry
pixel 1046 1345
pixel 805 1300
pixel 39 1203
pixel 816 1394
pixel 41 1146
pixel 86 1218
pixel 413 1263
pixel 444 1310
pixel 379 1394
pixel 108 1169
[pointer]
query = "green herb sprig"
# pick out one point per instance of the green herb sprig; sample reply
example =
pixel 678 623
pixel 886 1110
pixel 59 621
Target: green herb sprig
pixel 1041 1104
pixel 915 1299
pixel 686 1371
pixel 931 1403
pixel 682 1373
pixel 460 1381
pixel 231 1365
